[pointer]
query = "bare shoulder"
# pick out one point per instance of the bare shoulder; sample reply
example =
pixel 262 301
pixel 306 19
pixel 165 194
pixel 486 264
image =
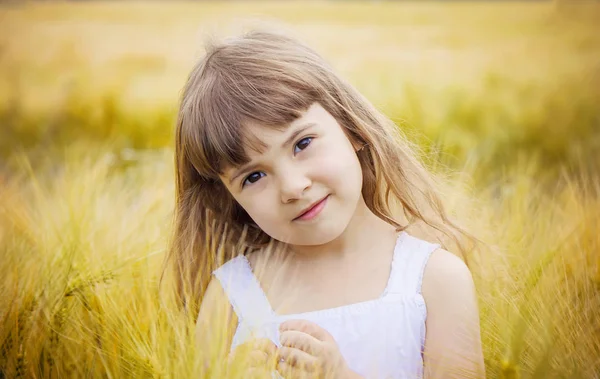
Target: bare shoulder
pixel 215 300
pixel 453 340
pixel 445 272
pixel 214 305
pixel 216 320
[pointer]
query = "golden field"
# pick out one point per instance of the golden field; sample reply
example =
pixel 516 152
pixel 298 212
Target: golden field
pixel 505 94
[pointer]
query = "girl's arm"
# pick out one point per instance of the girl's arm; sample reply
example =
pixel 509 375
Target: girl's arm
pixel 453 341
pixel 215 325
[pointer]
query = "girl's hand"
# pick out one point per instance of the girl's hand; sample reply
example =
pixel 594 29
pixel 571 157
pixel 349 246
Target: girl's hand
pixel 254 358
pixel 309 351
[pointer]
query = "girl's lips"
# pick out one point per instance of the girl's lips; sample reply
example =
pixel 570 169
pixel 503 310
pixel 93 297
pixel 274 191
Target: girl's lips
pixel 314 211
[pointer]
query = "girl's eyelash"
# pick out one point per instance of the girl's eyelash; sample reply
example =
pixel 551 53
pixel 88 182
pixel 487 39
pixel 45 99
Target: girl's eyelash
pixel 305 138
pixel 295 145
pixel 247 177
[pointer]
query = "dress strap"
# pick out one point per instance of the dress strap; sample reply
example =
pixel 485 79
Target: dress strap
pixel 244 292
pixel 410 257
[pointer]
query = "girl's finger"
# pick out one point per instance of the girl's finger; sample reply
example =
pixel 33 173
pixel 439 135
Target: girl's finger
pixel 263 344
pixel 301 341
pixel 257 373
pixel 307 327
pixel 290 372
pixel 253 352
pixel 284 369
pixel 258 357
pixel 297 358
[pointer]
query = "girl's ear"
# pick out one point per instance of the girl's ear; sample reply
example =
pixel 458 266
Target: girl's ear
pixel 356 142
pixel 358 147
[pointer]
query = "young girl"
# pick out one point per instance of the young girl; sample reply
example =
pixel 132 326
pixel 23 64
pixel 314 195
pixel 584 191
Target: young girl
pixel 322 190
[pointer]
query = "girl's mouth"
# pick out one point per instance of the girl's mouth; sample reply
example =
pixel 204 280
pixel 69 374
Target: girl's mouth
pixel 314 210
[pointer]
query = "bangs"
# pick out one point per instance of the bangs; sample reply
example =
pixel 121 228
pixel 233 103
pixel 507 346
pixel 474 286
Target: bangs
pixel 229 99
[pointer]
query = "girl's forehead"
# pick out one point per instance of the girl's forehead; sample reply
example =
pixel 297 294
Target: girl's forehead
pixel 258 138
pixel 261 140
pixel 253 138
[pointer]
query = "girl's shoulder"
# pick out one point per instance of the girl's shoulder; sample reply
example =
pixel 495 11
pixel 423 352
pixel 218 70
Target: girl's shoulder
pixel 453 331
pixel 216 315
pixel 445 269
pixel 447 280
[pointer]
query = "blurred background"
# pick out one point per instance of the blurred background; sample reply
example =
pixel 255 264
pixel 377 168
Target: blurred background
pixel 507 94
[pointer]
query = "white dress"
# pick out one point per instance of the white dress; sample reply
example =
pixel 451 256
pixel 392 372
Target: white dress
pixel 379 338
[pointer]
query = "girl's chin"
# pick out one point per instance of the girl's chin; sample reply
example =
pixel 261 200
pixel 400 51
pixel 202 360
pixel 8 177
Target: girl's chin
pixel 321 237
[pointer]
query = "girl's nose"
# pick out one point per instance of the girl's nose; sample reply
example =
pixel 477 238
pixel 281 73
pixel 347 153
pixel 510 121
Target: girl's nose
pixel 293 186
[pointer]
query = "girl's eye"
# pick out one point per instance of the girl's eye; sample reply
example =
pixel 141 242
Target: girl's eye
pixel 253 178
pixel 302 144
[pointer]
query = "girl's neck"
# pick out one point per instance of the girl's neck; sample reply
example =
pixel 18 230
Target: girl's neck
pixel 364 232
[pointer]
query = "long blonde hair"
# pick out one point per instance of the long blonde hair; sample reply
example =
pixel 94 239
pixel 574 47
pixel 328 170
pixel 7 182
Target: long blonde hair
pixel 271 78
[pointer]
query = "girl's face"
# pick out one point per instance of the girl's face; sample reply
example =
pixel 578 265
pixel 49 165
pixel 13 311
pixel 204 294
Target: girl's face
pixel 309 162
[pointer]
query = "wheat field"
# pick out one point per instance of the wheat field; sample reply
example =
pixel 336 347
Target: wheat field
pixel 505 94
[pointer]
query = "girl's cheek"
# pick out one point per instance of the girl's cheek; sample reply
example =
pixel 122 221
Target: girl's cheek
pixel 262 206
pixel 337 169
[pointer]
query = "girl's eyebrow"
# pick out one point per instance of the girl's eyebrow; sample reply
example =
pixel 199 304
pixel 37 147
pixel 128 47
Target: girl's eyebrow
pixel 290 139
